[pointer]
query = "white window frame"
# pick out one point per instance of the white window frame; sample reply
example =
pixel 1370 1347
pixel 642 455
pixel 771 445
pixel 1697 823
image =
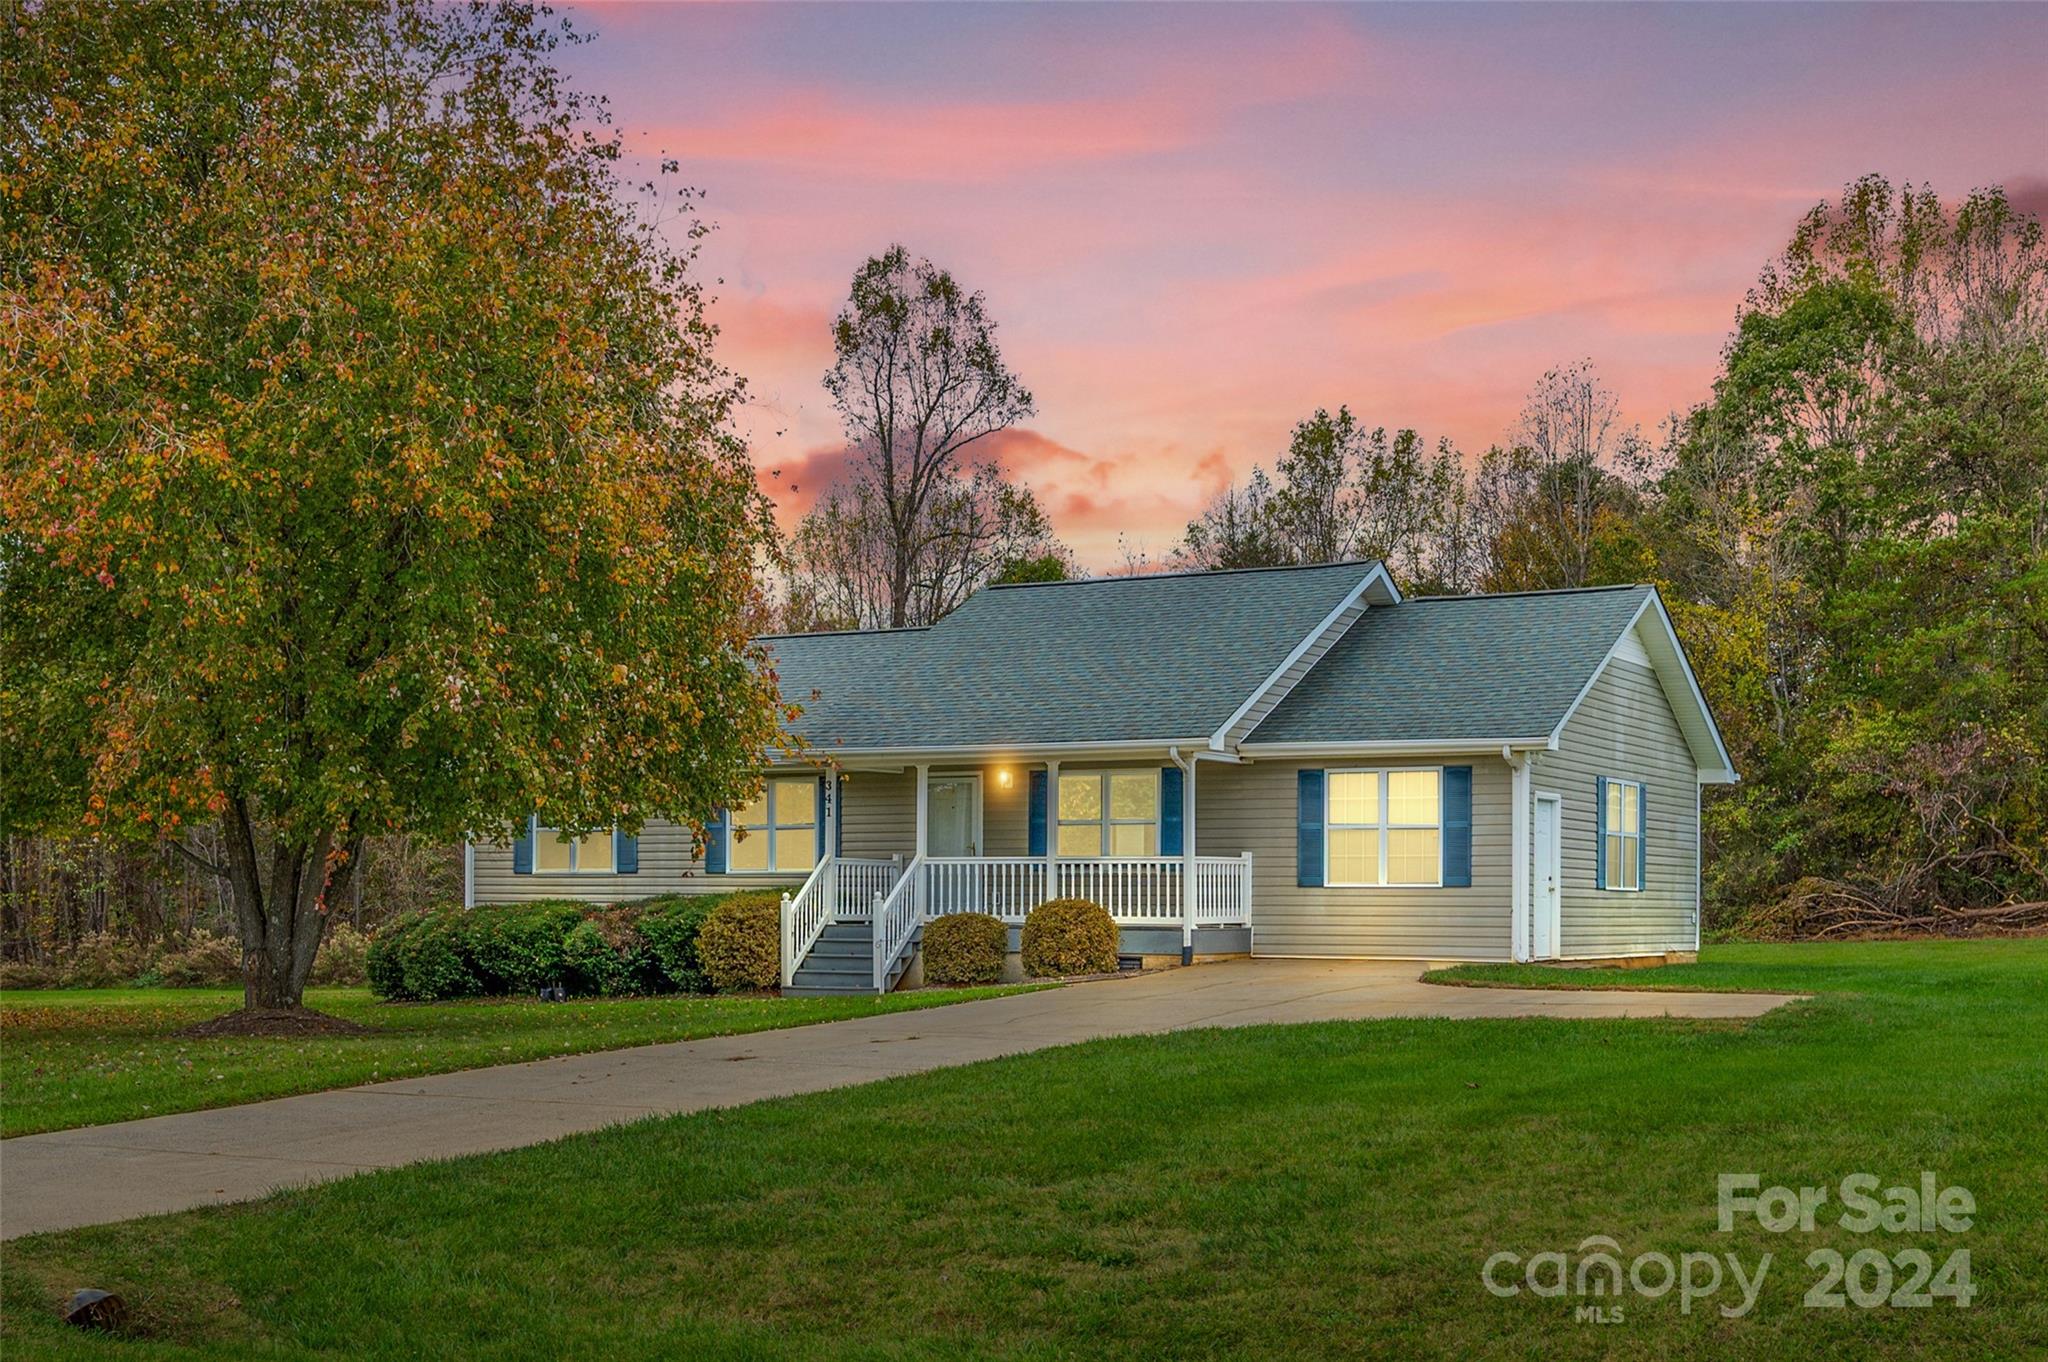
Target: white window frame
pixel 770 828
pixel 1384 826
pixel 1104 821
pixel 1630 841
pixel 536 831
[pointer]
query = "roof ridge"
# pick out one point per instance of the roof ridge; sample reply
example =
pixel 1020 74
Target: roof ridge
pixel 1538 591
pixel 1190 572
pixel 835 633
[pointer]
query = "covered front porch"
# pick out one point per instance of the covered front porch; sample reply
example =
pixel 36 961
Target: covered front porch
pixel 910 843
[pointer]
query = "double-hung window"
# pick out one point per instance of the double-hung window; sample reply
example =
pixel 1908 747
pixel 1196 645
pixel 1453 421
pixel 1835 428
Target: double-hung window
pixel 1621 834
pixel 557 853
pixel 1384 828
pixel 1108 813
pixel 779 831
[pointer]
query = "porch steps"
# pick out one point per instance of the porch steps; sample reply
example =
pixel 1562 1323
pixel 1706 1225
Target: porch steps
pixel 842 962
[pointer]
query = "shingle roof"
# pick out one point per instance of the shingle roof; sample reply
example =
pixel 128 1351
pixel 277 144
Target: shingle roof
pixel 1456 668
pixel 1108 660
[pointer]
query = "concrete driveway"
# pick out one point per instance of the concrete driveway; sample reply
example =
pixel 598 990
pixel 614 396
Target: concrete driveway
pixel 170 1163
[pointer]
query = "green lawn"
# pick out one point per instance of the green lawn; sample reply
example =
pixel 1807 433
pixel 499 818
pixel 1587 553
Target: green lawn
pixel 1319 1190
pixel 78 1057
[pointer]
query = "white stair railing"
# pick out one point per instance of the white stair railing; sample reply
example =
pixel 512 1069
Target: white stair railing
pixel 895 920
pixel 805 917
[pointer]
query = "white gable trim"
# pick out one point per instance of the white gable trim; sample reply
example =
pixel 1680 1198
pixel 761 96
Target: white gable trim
pixel 1270 692
pixel 1667 656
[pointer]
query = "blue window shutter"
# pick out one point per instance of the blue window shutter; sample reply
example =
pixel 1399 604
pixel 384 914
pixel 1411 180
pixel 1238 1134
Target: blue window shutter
pixel 1170 795
pixel 625 853
pixel 1600 832
pixel 714 844
pixel 1308 829
pixel 1643 834
pixel 824 793
pixel 1457 841
pixel 839 816
pixel 522 850
pixel 1035 817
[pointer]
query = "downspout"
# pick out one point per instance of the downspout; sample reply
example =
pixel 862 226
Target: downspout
pixel 1519 929
pixel 1187 854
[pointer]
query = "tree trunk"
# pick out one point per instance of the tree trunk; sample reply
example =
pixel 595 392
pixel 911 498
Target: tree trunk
pixel 283 918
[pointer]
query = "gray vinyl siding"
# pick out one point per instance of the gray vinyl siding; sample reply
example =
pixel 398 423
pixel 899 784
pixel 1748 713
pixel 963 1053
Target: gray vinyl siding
pixel 666 867
pixel 1252 808
pixel 879 809
pixel 1626 730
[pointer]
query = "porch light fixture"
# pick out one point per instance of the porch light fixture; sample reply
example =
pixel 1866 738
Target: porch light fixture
pixel 1002 777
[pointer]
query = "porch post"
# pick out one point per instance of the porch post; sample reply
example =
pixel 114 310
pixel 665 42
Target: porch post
pixel 1052 831
pixel 924 795
pixel 1187 864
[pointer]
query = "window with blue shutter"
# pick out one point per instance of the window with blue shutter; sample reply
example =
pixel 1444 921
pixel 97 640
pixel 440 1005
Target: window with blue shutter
pixel 1308 828
pixel 1457 823
pixel 522 850
pixel 1172 794
pixel 1035 816
pixel 625 852
pixel 839 816
pixel 714 843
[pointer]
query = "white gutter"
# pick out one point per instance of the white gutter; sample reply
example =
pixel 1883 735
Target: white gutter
pixel 1448 747
pixel 991 751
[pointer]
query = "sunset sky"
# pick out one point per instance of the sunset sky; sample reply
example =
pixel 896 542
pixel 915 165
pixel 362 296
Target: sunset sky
pixel 1197 224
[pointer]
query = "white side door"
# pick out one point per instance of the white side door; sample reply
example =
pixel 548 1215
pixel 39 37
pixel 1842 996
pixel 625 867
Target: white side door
pixel 1547 920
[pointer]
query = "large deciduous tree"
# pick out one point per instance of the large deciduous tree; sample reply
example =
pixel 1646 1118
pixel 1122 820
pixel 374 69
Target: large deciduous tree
pixel 366 466
pixel 1855 530
pixel 917 523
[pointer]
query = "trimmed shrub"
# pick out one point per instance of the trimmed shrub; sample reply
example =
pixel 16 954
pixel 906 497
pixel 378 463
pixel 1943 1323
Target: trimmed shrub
pixel 652 946
pixel 1069 936
pixel 740 943
pixel 204 961
pixel 605 954
pixel 520 948
pixel 965 948
pixel 435 960
pixel 342 956
pixel 384 964
pixel 670 926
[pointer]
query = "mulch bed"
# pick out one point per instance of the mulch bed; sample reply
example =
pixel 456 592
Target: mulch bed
pixel 278 1021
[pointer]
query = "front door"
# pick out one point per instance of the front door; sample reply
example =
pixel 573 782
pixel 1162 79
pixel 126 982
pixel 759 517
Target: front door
pixel 1547 919
pixel 953 808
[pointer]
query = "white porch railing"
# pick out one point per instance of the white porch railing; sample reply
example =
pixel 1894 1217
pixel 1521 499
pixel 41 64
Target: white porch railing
pixel 860 881
pixel 1007 887
pixel 804 917
pixel 1223 890
pixel 1138 891
pixel 896 916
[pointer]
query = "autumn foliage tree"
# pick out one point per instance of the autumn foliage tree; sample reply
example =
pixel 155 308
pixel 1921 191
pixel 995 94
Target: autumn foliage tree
pixel 366 465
